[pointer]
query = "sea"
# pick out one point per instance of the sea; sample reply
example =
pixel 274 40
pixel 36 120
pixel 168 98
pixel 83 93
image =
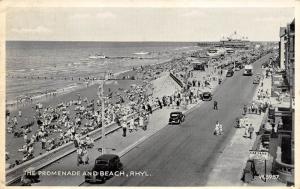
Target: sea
pixel 35 67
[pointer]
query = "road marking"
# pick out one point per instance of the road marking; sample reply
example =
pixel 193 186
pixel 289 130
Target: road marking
pixel 126 150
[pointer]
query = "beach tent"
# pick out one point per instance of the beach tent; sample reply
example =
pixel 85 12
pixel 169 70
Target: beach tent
pixel 197 65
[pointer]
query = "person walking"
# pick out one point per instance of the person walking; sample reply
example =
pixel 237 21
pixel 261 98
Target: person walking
pixel 43 141
pixel 79 156
pixel 20 113
pixel 15 121
pixel 177 103
pixel 159 103
pixel 215 105
pixel 124 128
pixel 85 156
pixel 141 122
pixel 149 108
pixel 250 130
pixel 245 109
pixel 131 123
pixel 218 129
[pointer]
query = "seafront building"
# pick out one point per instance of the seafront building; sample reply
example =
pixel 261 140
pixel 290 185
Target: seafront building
pixel 282 35
pixel 235 40
pixel 283 113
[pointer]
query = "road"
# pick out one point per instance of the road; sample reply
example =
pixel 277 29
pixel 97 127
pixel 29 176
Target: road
pixel 184 155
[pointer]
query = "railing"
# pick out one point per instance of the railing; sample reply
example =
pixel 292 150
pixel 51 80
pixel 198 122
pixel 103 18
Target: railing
pixel 176 80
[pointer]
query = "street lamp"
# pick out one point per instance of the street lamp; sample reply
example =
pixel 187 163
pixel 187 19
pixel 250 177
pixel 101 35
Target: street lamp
pixel 101 95
pixel 102 113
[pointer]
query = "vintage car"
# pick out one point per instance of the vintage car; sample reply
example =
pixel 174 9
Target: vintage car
pixel 206 96
pixel 29 177
pixel 176 118
pixel 105 166
pixel 229 73
pixel 256 79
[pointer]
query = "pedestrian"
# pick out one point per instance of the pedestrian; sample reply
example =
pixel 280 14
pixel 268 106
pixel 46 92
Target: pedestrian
pixel 20 113
pixel 246 130
pixel 250 130
pixel 218 129
pixel 171 100
pixel 215 105
pixel 245 109
pixel 220 81
pixel 43 141
pixel 149 108
pixel 177 103
pixel 159 104
pixel 85 156
pixel 79 156
pixel 124 128
pixel 76 141
pixel 141 122
pixel 133 125
pixel 15 121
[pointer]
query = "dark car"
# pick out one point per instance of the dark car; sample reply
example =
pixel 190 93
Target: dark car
pixel 29 177
pixel 176 117
pixel 206 96
pixel 106 163
pixel 229 73
pixel 256 79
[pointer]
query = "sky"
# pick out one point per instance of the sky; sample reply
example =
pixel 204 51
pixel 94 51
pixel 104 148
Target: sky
pixel 145 24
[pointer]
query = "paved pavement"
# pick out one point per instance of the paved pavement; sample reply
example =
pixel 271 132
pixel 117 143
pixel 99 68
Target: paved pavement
pixel 228 169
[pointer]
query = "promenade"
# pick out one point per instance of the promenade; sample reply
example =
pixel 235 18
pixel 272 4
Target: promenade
pixel 228 169
pixel 115 143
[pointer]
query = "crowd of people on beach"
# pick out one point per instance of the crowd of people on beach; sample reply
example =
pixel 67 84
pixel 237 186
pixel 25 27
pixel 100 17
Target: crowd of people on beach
pixel 53 126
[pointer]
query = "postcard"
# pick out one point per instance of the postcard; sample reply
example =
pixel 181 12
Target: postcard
pixel 149 93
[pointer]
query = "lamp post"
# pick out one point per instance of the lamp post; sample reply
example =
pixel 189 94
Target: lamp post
pixel 102 115
pixel 102 98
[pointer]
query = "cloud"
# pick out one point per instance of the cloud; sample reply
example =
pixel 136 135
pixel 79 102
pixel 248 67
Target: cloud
pixel 36 30
pixel 80 15
pixel 194 13
pixel 274 19
pixel 105 15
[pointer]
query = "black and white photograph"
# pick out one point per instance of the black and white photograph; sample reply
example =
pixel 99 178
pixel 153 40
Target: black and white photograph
pixel 149 95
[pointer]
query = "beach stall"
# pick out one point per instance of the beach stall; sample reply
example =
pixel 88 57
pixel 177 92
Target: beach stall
pixel 200 66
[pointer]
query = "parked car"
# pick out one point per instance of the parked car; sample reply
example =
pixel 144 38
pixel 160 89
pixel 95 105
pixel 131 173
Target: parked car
pixel 206 96
pixel 29 177
pixel 176 117
pixel 109 163
pixel 229 73
pixel 256 79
